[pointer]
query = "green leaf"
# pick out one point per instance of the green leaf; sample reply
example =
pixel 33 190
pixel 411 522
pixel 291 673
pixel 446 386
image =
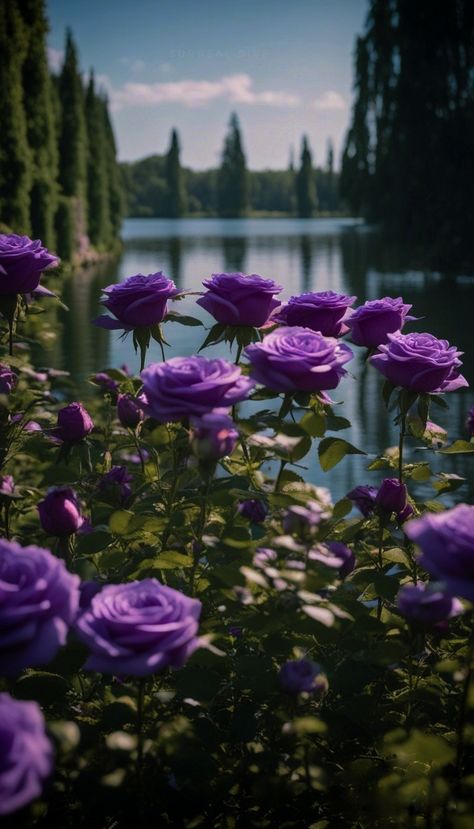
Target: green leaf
pixel 170 559
pixel 183 319
pixel 119 521
pixel 215 335
pixel 305 725
pixel 459 447
pixel 333 450
pixel 46 688
pixel 314 424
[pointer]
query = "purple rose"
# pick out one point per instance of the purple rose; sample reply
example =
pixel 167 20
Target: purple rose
pixel 254 509
pixel 470 422
pixel 426 604
pixel 8 378
pixel 74 423
pixel 139 628
pixel 301 520
pixel 302 675
pixel 187 386
pixel 38 601
pixel 324 311
pixel 406 513
pixel 60 512
pixel 128 411
pixel 138 302
pixel 7 486
pixel 26 754
pixel 446 540
pixel 213 435
pixel 372 323
pixel 115 485
pixel 391 497
pixel 22 262
pixel 420 363
pixel 297 359
pixel 364 499
pixel 105 382
pixel 238 299
pixel 336 555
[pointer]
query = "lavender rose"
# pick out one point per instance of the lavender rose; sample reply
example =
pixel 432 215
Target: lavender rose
pixel 420 363
pixel 22 262
pixel 138 302
pixel 364 499
pixel 371 324
pixel 303 676
pixel 324 311
pixel 74 423
pixel 238 299
pixel 213 435
pixel 298 359
pixel 139 628
pixel 426 604
pixel 446 540
pixel 187 386
pixel 38 601
pixel 8 379
pixel 26 754
pixel 60 512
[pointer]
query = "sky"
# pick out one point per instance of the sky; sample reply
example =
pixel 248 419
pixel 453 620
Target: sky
pixel 285 67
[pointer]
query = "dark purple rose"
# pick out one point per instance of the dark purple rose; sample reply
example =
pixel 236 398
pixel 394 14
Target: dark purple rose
pixel 128 411
pixel 446 540
pixel 324 311
pixel 105 382
pixel 38 601
pixel 7 485
pixel 391 497
pixel 26 754
pixel 372 323
pixel 236 632
pixel 115 485
pixel 470 422
pixel 74 423
pixel 137 302
pixel 301 520
pixel 426 604
pixel 254 509
pixel 364 499
pixel 297 359
pixel 8 378
pixel 420 363
pixel 238 299
pixel 336 555
pixel 264 557
pixel 139 628
pixel 213 435
pixel 60 512
pixel 302 675
pixel 22 262
pixel 187 386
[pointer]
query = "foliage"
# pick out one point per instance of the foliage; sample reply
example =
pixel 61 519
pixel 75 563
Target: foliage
pixel 305 186
pixel 232 181
pixel 175 190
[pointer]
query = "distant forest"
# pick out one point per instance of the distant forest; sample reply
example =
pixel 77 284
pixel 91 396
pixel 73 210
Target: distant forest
pixel 159 186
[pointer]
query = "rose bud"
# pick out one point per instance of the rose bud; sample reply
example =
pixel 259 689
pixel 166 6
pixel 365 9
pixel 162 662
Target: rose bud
pixel 254 509
pixel 426 604
pixel 406 513
pixel 128 411
pixel 213 436
pixel 391 497
pixel 299 676
pixel 60 512
pixel 105 382
pixel 74 423
pixel 115 485
pixel 364 499
pixel 8 379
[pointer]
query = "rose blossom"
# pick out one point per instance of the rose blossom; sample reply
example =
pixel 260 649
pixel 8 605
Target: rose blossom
pixel 74 423
pixel 187 386
pixel 372 323
pixel 38 600
pixel 26 753
pixel 298 359
pixel 420 363
pixel 323 311
pixel 364 499
pixel 302 675
pixel 139 628
pixel 238 299
pixel 128 410
pixel 213 435
pixel 446 540
pixel 391 497
pixel 254 509
pixel 138 302
pixel 22 262
pixel 8 378
pixel 60 512
pixel 426 604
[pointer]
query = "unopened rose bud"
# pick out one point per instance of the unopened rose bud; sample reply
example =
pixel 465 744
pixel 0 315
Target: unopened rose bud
pixel 391 497
pixel 74 423
pixel 128 411
pixel 60 512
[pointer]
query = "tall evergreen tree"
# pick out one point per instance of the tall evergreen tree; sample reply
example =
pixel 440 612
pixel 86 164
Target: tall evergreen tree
pixel 98 216
pixel 355 173
pixel 73 137
pixel 232 182
pixel 38 102
pixel 15 156
pixel 114 179
pixel 175 190
pixel 305 183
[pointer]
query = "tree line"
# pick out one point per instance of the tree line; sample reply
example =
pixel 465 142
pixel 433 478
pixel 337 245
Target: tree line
pixel 407 160
pixel 59 176
pixel 159 186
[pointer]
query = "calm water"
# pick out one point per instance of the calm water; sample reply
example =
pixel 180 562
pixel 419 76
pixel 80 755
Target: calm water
pixel 303 255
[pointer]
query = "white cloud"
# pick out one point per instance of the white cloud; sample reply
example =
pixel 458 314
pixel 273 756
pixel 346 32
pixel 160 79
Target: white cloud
pixel 136 66
pixel 236 89
pixel 55 58
pixel 329 100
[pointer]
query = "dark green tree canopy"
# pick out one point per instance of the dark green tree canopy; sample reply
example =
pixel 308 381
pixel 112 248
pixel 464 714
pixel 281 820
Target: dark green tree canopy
pixel 232 184
pixel 176 201
pixel 305 182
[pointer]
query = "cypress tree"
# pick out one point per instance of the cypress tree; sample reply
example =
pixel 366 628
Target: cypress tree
pixel 15 156
pixel 175 190
pixel 114 179
pixel 97 185
pixel 38 102
pixel 232 181
pixel 355 173
pixel 305 183
pixel 73 138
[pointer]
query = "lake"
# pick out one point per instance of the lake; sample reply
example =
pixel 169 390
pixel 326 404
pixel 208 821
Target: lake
pixel 303 255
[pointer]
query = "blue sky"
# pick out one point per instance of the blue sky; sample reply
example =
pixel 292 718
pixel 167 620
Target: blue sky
pixel 285 66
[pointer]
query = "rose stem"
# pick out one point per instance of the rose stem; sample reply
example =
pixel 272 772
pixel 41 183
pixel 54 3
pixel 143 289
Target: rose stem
pixel 380 564
pixel 463 706
pixel 400 447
